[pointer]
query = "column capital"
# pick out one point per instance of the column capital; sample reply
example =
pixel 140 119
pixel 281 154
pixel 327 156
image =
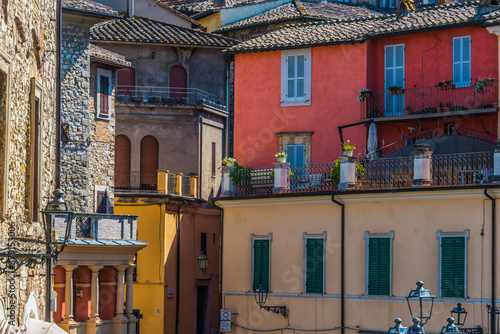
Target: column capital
pixel 69 267
pixel 131 267
pixel 95 268
pixel 120 267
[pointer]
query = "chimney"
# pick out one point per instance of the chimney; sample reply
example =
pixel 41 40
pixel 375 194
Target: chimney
pixel 130 9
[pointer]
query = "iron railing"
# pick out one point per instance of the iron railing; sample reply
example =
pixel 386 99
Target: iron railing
pixel 429 100
pixel 385 173
pixel 167 96
pixel 171 183
pixel 462 169
pixel 186 185
pixel 136 181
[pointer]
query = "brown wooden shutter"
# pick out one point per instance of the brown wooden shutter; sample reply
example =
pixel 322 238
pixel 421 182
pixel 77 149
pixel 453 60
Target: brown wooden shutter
pixel 178 81
pixel 149 160
pixel 122 161
pixel 126 82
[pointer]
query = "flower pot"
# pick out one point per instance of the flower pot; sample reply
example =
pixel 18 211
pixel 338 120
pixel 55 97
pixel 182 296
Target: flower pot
pixel 448 87
pixel 397 92
pixel 348 153
pixel 281 159
pixel 229 164
pixel 489 83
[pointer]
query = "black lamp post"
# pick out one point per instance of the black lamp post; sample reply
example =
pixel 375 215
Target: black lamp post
pixel 420 295
pixel 12 257
pixel 260 295
pixel 459 313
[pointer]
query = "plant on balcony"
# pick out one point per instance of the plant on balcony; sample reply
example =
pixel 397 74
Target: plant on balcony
pixel 479 86
pixel 154 99
pixel 445 85
pixel 363 94
pixel 281 156
pixel 335 172
pixel 229 162
pixel 348 148
pixel 137 99
pixel 240 175
pixel 395 90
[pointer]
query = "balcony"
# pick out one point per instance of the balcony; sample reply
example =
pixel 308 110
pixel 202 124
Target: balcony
pixel 156 182
pixel 430 102
pixel 100 226
pixel 167 97
pixel 448 170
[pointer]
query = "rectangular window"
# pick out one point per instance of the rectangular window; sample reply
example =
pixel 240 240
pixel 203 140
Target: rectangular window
pixel 462 61
pixel 203 243
pixel 214 168
pixel 453 264
pixel 101 199
pixel 296 154
pixel 314 262
pixel 103 93
pixel 378 263
pixel 261 249
pixel 296 77
pixel 36 116
pixel 394 63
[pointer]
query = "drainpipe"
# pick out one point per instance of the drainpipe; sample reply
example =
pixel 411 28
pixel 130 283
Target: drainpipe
pixel 220 255
pixel 342 263
pixel 178 267
pixel 226 130
pixel 493 260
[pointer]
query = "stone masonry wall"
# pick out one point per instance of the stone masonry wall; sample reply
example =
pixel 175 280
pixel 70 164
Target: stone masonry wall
pixel 75 113
pixel 27 50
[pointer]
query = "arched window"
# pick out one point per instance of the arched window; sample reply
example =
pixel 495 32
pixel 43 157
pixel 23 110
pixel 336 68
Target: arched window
pixel 178 81
pixel 122 162
pixel 149 162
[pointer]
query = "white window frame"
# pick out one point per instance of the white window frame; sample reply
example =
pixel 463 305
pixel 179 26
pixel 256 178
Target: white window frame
pixel 369 235
pixel 6 67
pixel 460 62
pixel 105 189
pixel 306 100
pixel 440 235
pixel 103 73
pixel 306 236
pixel 254 237
pixel 36 93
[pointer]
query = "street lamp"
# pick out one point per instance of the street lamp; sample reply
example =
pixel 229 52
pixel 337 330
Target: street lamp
pixel 12 257
pixel 450 327
pixel 416 328
pixel 398 328
pixel 420 294
pixel 458 312
pixel 260 295
pixel 203 262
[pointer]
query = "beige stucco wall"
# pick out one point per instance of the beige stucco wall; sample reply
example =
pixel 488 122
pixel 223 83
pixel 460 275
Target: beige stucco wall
pixel 415 217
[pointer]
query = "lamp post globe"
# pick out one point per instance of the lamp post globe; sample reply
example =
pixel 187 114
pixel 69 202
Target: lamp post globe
pixel 420 302
pixel 203 261
pixel 460 314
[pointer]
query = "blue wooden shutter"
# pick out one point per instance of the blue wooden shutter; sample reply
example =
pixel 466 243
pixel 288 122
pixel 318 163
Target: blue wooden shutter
pixel 260 264
pixel 379 266
pixel 314 265
pixel 453 267
pixel 462 60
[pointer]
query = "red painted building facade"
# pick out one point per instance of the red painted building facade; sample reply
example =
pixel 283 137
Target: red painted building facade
pixel 414 52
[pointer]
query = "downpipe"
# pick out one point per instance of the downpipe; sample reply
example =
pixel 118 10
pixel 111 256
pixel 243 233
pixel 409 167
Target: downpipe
pixel 493 259
pixel 342 263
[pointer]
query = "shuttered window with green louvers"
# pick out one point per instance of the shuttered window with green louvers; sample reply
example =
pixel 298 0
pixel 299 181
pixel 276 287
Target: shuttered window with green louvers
pixel 260 264
pixel 379 266
pixel 453 267
pixel 314 265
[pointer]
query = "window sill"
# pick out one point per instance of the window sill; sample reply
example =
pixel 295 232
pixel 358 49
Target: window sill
pixel 102 118
pixel 295 103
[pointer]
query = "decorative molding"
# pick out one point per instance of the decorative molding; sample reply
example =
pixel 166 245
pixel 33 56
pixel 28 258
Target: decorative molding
pixel 273 201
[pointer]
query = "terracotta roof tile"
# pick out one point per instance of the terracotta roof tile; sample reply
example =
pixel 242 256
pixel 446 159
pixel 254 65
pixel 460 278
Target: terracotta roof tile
pixel 89 6
pixel 108 56
pixel 359 29
pixel 143 30
pixel 303 10
pixel 196 7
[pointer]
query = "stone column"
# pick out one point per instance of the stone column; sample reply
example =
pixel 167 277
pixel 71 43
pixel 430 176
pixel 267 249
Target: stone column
pixel 94 322
pixel 120 321
pixel 422 174
pixel 348 177
pixel 130 299
pixel 68 323
pixel 281 177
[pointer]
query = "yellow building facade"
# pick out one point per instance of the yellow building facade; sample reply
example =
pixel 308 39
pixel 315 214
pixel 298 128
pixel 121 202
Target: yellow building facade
pixel 416 225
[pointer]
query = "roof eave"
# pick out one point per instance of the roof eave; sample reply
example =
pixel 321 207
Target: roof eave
pixel 110 63
pixel 160 44
pixel 90 13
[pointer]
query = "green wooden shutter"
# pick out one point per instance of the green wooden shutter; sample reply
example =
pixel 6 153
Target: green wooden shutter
pixel 379 266
pixel 314 265
pixel 260 264
pixel 453 267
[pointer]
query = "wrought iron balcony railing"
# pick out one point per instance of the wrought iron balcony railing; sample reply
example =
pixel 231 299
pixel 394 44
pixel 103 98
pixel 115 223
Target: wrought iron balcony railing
pixel 385 173
pixel 167 96
pixel 429 101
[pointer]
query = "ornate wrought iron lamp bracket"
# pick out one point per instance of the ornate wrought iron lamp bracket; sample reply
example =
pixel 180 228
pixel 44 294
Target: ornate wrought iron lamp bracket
pixel 276 310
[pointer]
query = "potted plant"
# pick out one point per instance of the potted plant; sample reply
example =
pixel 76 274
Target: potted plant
pixel 240 175
pixel 363 94
pixel 445 85
pixel 479 86
pixel 229 162
pixel 335 172
pixel 395 90
pixel 348 149
pixel 281 157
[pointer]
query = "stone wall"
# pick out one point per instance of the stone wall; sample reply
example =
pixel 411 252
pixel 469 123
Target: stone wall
pixel 27 51
pixel 87 156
